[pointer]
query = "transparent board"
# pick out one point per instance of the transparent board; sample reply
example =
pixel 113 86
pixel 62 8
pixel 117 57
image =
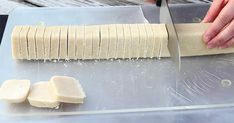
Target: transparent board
pixel 118 86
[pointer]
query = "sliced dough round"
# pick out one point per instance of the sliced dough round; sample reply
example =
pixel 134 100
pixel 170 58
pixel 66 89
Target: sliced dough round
pixel 67 89
pixel 41 95
pixel 14 91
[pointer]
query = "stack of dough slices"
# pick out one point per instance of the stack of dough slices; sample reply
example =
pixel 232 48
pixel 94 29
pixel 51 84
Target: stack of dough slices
pixel 49 94
pixel 43 94
pixel 88 42
pixel 107 41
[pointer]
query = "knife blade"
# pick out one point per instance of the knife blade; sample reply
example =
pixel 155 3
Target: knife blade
pixel 173 41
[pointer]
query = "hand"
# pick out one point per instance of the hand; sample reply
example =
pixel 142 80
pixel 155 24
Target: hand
pixel 221 31
pixel 151 1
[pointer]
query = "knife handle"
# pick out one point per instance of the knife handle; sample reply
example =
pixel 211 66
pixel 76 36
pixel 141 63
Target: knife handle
pixel 158 2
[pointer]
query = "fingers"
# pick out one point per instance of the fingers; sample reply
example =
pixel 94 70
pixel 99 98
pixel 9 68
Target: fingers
pixel 151 1
pixel 225 35
pixel 213 11
pixel 229 43
pixel 224 17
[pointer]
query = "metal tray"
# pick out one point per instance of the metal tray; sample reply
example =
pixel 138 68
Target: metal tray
pixel 121 86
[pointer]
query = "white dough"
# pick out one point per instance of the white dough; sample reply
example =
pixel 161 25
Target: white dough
pixel 15 42
pixel 63 43
pixel 71 42
pixel 143 38
pixel 104 42
pixel 120 41
pixel 150 42
pixel 54 49
pixel 32 42
pixel 67 89
pixel 42 95
pixel 191 43
pixel 88 42
pixel 135 41
pixel 128 41
pixel 160 36
pixel 80 35
pixel 96 41
pixel 40 50
pixel 14 91
pixel 164 52
pixel 24 42
pixel 112 41
pixel 47 42
pixel 107 41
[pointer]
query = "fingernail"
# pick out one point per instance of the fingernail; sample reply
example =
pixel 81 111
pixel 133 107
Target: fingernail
pixel 210 45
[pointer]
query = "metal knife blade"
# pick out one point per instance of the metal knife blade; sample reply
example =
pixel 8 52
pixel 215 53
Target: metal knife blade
pixel 173 41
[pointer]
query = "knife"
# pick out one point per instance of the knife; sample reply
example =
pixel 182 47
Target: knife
pixel 173 41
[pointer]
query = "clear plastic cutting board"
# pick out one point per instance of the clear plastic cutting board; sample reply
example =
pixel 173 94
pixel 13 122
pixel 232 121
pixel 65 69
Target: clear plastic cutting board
pixel 118 86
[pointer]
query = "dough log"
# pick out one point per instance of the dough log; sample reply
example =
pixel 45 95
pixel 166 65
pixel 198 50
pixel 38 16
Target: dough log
pixel 107 41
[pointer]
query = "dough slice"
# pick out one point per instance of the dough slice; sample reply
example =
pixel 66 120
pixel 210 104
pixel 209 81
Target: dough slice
pixel 71 42
pixel 14 91
pixel 104 42
pixel 41 95
pixel 150 42
pixel 54 49
pixel 47 42
pixel 128 41
pixel 88 42
pixel 120 41
pixel 67 89
pixel 24 42
pixel 63 43
pixel 143 38
pixel 80 44
pixel 40 42
pixel 15 42
pixel 32 42
pixel 164 52
pixel 112 41
pixel 96 41
pixel 157 39
pixel 135 40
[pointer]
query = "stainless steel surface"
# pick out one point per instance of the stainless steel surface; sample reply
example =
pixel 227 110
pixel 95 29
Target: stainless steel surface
pixel 127 84
pixel 173 41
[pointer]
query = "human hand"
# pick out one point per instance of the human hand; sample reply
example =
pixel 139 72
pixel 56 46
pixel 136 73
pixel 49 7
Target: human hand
pixel 221 32
pixel 151 1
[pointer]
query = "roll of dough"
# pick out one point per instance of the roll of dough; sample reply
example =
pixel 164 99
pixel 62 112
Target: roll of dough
pixel 191 43
pixel 107 41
